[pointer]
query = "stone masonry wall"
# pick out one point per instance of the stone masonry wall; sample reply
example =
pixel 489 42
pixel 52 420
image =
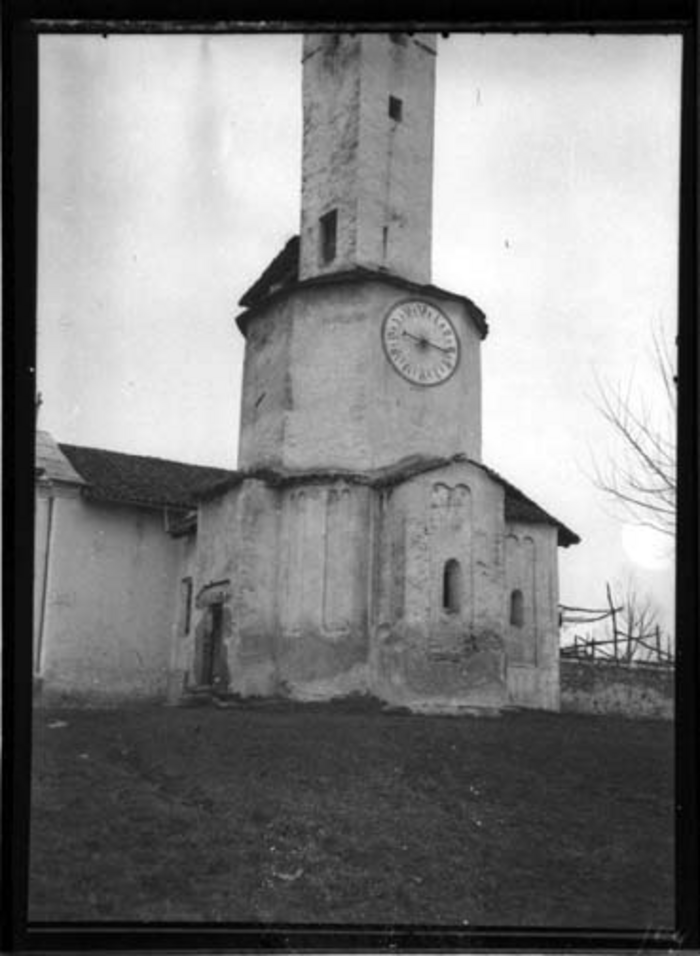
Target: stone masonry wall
pixel 598 687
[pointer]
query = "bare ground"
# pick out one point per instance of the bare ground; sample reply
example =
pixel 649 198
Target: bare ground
pixel 340 813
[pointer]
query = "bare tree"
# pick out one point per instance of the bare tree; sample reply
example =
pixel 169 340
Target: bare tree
pixel 639 475
pixel 638 623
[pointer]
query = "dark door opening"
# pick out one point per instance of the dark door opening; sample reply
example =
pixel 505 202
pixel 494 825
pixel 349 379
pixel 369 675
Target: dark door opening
pixel 211 647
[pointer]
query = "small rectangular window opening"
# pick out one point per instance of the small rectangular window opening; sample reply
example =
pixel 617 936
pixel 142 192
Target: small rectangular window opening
pixel 452 587
pixel 187 604
pixel 329 230
pixel 395 108
pixel 517 609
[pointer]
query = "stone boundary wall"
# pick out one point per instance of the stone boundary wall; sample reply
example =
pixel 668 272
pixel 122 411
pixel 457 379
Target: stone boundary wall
pixel 631 690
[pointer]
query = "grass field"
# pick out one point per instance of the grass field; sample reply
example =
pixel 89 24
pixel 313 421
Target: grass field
pixel 340 813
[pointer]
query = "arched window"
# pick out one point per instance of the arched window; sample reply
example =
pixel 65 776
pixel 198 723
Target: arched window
pixel 517 609
pixel 452 586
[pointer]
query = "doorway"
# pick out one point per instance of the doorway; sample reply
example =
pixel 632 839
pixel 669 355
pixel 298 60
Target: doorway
pixel 210 650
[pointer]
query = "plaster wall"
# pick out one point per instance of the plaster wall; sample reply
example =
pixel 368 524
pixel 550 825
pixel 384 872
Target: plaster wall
pixel 332 587
pixel 323 588
pixel 423 652
pixel 335 400
pixel 396 156
pixel 109 612
pixel 266 389
pixel 331 118
pixel 42 509
pixel 182 641
pixel 253 667
pixel 237 567
pixel 532 647
pixel 375 170
pixel 291 568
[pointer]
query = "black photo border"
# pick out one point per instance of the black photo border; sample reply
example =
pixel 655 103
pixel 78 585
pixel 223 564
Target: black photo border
pixel 22 23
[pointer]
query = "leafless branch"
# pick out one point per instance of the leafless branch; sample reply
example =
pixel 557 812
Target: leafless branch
pixel 639 476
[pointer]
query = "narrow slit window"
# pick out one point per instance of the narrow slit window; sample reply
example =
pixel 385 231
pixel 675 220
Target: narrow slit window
pixel 517 609
pixel 186 605
pixel 329 235
pixel 395 108
pixel 452 587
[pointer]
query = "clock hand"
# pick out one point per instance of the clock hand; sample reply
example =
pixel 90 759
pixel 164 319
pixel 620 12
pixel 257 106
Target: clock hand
pixel 440 347
pixel 423 341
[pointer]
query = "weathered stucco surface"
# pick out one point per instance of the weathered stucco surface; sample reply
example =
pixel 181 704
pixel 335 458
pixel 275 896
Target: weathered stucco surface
pixel 533 645
pixel 400 588
pixel 599 687
pixel 409 585
pixel 335 586
pixel 375 170
pixel 322 581
pixel 298 602
pixel 319 391
pixel 108 613
pixel 182 645
pixel 421 650
pixel 266 388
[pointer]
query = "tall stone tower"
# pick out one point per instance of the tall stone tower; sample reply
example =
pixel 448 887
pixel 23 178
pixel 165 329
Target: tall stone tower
pixel 368 153
pixel 362 546
pixel 353 360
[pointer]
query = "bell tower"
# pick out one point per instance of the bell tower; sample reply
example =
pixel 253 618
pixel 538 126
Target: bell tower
pixel 367 153
pixel 364 547
pixel 354 360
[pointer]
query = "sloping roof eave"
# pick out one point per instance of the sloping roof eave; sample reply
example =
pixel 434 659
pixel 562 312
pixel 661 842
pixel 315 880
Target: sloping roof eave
pixel 153 504
pixel 139 480
pixel 404 470
pixel 252 306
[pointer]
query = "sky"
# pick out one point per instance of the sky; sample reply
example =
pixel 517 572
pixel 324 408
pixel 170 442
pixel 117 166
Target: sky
pixel 170 173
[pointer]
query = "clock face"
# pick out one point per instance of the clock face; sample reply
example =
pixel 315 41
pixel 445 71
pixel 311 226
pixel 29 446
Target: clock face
pixel 420 342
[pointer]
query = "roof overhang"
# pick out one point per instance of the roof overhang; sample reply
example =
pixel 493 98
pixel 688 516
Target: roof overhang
pixel 358 275
pixel 522 508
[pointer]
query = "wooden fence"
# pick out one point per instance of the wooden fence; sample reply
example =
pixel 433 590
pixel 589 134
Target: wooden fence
pixel 622 646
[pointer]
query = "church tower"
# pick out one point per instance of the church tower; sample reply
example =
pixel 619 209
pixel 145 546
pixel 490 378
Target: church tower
pixel 353 359
pixel 362 546
pixel 367 170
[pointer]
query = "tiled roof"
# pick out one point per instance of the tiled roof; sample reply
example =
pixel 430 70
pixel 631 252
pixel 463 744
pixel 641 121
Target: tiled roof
pixel 157 482
pixel 518 507
pixel 137 479
pixel 282 271
pixel 521 508
pixel 50 463
pixel 283 274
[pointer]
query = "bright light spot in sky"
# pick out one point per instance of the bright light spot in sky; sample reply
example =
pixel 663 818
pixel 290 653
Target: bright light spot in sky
pixel 646 547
